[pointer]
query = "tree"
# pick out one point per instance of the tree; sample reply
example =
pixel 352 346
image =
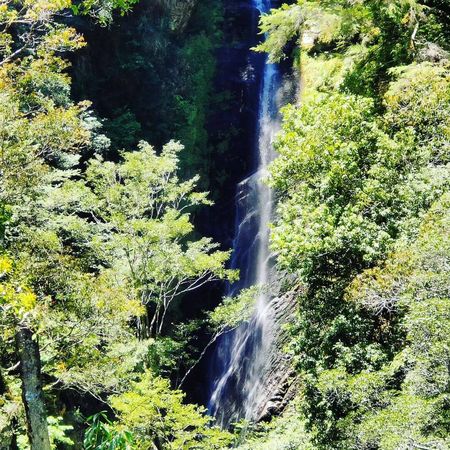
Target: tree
pixel 157 416
pixel 362 40
pixel 143 209
pixel 82 258
pixel 97 250
pixel 36 27
pixel 352 183
pixel 410 401
pixel 36 129
pixel 18 301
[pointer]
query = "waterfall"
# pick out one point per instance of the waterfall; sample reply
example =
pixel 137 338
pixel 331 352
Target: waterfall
pixel 241 356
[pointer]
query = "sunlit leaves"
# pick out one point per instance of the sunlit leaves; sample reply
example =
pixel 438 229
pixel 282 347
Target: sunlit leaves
pixel 102 10
pixel 33 26
pixel 41 9
pixel 16 299
pixel 355 182
pixel 418 102
pixel 153 412
pixel 280 26
pixel 146 206
pixel 323 174
pixel 60 39
pixel 5 266
pixel 308 22
pixel 234 310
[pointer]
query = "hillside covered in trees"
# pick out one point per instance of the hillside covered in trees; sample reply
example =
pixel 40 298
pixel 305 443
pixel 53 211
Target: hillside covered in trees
pixel 127 318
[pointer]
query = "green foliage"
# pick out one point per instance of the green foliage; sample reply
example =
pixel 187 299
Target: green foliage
pixel 147 209
pixel 285 432
pixel 234 310
pixel 406 401
pixel 418 103
pixel 156 414
pixel 102 10
pixel 92 254
pixel 306 22
pixel 326 150
pixel 350 181
pixel 130 222
pixel 57 431
pixel 370 36
pixel 31 26
pixel 361 161
pixel 101 435
pixel 280 26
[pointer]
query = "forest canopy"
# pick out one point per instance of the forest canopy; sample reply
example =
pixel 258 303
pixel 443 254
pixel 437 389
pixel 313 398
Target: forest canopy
pixel 94 254
pixel 108 287
pixel 362 178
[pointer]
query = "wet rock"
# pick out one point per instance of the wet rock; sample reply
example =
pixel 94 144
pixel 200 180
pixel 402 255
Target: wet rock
pixel 280 382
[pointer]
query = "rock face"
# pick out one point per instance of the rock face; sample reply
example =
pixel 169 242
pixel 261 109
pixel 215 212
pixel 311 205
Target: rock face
pixel 432 52
pixel 280 383
pixel 139 72
pixel 180 12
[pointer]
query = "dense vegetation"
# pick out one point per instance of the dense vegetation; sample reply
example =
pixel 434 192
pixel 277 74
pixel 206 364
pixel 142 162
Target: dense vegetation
pixel 94 255
pixel 164 51
pixel 363 219
pixel 99 250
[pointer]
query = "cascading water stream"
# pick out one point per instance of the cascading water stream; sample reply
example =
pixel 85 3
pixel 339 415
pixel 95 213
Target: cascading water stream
pixel 238 365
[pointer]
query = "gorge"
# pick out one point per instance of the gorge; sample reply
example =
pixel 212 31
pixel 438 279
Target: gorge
pixel 191 258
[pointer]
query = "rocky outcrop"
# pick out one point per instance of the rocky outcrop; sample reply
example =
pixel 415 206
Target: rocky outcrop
pixel 280 382
pixel 432 52
pixel 179 12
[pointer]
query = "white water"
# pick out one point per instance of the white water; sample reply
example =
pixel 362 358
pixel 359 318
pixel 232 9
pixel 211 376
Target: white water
pixel 238 387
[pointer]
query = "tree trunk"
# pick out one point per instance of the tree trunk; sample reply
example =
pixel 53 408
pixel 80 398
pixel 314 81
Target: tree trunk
pixel 32 394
